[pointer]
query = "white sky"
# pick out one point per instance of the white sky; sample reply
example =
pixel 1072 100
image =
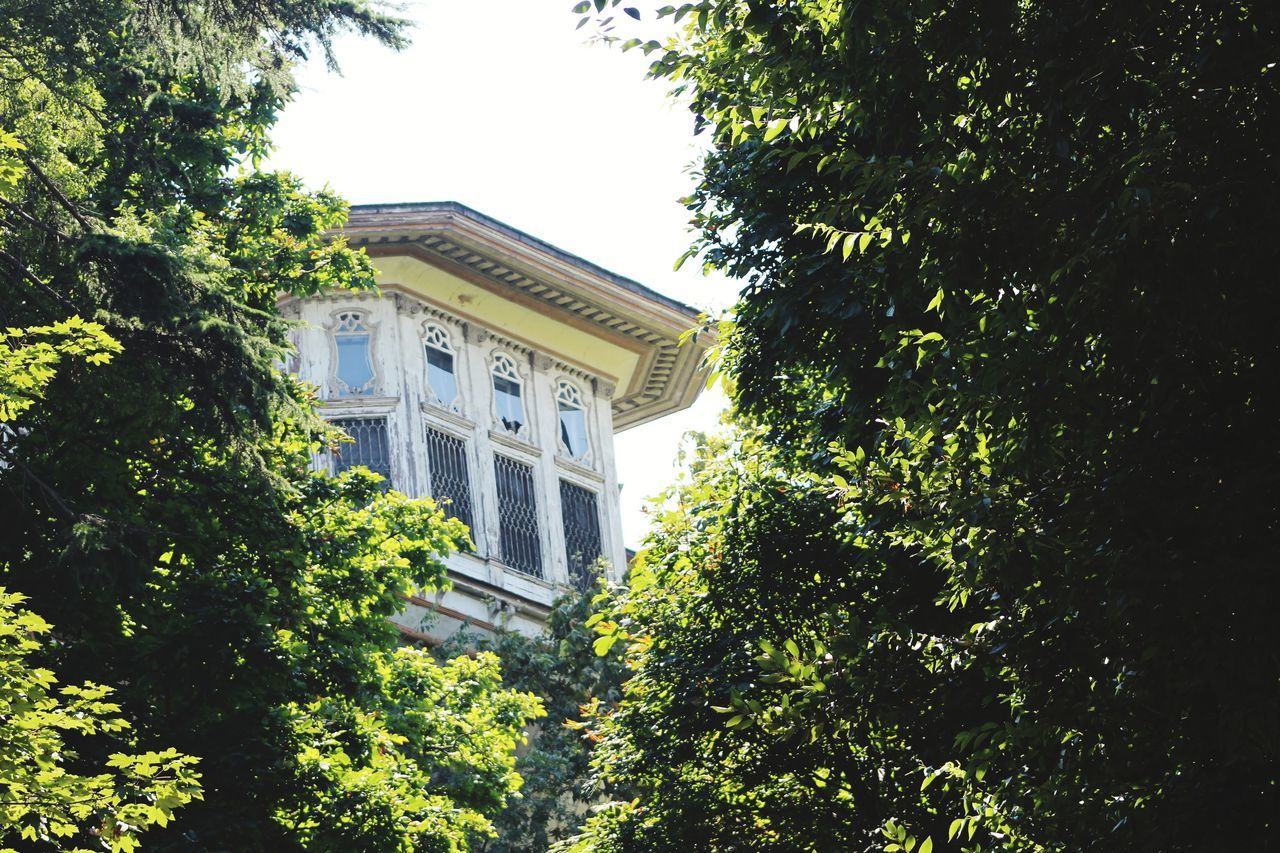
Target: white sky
pixel 504 107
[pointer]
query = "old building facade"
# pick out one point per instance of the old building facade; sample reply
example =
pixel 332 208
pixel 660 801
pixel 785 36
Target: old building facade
pixel 491 372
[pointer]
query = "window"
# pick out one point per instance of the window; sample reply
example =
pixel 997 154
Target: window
pixel 508 407
pixel 573 420
pixel 581 532
pixel 450 482
pixel 518 516
pixel 354 371
pixel 442 381
pixel 370 447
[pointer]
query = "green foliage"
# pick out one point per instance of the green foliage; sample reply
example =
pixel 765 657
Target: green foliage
pixel 990 577
pixel 165 515
pixel 421 776
pixel 561 668
pixel 30 358
pixel 41 801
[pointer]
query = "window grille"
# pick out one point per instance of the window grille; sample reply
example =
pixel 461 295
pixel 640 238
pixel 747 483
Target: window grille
pixel 354 371
pixel 581 532
pixel 573 420
pixel 518 516
pixel 450 482
pixel 370 448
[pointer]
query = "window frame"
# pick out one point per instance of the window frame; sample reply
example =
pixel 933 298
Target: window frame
pixel 504 365
pixel 333 330
pixel 435 335
pixel 569 392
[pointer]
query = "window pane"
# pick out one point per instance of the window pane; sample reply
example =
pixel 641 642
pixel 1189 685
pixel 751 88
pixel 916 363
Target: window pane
pixel 440 375
pixel 355 370
pixel 370 448
pixel 506 398
pixel 573 430
pixel 518 516
pixel 450 480
pixel 581 532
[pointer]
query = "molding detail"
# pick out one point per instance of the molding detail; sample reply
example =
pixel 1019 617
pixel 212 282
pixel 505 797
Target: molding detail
pixel 505 260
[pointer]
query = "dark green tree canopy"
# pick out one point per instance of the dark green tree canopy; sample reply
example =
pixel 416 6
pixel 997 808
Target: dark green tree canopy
pixel 1004 328
pixel 163 511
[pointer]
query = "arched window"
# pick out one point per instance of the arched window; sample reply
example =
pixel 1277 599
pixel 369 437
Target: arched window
pixel 573 420
pixel 507 403
pixel 442 378
pixel 354 373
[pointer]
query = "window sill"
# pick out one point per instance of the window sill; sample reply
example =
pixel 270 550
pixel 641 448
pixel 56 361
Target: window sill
pixel 342 404
pixel 514 442
pixel 448 416
pixel 582 469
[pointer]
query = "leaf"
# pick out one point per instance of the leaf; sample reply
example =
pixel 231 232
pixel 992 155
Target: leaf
pixel 936 302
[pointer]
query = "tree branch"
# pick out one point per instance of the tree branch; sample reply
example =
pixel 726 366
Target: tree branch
pixel 28 275
pixel 57 193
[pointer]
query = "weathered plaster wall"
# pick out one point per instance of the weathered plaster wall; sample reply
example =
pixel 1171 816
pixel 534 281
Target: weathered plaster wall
pixel 486 592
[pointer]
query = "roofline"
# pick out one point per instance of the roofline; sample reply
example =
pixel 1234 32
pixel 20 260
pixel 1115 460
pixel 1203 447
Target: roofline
pixel 533 242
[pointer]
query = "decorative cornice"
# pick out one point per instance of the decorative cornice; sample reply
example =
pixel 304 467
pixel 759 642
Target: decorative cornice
pixel 457 238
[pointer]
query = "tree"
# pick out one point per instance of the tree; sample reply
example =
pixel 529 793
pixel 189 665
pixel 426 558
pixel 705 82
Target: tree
pixel 1003 327
pixel 165 515
pixel 41 801
pixel 560 667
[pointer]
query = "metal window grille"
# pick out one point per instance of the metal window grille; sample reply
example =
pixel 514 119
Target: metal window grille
pixel 450 482
pixel 370 448
pixel 581 532
pixel 518 516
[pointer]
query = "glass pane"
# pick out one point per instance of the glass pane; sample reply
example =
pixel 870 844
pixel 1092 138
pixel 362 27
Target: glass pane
pixel 506 398
pixel 440 375
pixel 355 371
pixel 573 430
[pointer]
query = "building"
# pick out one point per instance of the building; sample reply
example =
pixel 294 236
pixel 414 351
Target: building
pixel 491 372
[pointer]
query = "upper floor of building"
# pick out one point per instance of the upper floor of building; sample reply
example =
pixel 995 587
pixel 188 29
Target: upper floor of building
pixel 491 371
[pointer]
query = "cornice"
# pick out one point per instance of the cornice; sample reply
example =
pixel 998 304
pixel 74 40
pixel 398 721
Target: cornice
pixel 519 266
